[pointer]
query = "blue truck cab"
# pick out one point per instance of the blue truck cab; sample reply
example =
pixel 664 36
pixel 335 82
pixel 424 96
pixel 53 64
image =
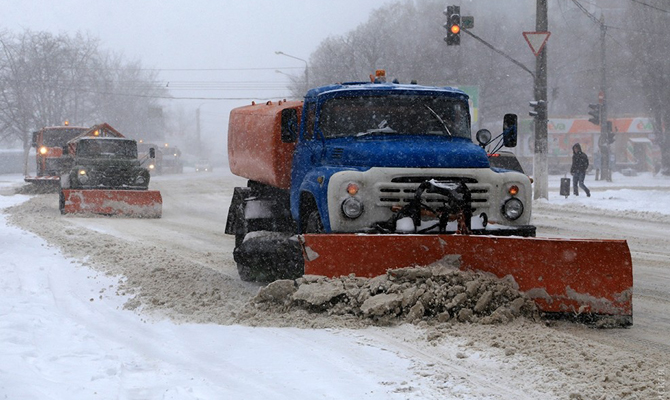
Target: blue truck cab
pixel 364 148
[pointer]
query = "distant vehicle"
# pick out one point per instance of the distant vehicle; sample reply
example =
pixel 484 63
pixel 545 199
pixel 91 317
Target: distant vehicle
pixel 172 163
pixel 155 165
pixel 505 160
pixel 49 143
pixel 203 166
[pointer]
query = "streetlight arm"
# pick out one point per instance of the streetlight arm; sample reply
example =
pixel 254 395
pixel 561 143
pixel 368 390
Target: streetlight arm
pixel 288 55
pixel 299 59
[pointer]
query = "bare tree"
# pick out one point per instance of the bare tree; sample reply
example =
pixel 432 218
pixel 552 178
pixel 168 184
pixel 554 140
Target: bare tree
pixel 46 79
pixel 649 43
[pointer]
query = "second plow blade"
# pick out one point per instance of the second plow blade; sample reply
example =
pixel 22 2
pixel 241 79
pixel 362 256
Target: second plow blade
pixel 131 203
pixel 582 277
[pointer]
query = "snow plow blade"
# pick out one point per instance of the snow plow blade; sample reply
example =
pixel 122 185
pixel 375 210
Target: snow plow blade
pixel 43 179
pixel 582 277
pixel 132 203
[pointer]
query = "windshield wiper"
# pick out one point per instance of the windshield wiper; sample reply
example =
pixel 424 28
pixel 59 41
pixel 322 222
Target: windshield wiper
pixel 383 128
pixel 386 129
pixel 444 124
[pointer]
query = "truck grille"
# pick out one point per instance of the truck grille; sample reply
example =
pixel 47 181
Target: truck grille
pixel 57 166
pixel 401 190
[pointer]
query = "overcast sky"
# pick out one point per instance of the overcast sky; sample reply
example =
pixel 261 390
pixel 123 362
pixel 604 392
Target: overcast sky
pixel 234 37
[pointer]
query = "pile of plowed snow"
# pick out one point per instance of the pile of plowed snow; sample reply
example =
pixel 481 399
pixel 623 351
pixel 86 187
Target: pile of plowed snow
pixel 437 293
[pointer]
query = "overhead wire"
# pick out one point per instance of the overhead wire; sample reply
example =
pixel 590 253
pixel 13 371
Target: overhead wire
pixel 650 6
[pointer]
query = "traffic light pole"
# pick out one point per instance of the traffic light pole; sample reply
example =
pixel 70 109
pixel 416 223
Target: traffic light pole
pixel 540 161
pixel 604 142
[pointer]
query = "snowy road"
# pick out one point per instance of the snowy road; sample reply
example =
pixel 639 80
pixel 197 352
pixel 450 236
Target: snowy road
pixel 180 268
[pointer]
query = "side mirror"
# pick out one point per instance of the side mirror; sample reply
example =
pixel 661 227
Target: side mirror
pixel 152 152
pixel 66 150
pixel 509 130
pixel 289 125
pixel 34 141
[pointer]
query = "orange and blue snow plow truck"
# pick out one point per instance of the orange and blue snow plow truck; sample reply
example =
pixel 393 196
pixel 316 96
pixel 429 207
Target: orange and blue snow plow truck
pixel 360 178
pixel 106 177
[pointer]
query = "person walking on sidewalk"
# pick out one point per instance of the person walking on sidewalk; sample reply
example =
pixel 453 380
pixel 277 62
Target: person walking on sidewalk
pixel 580 162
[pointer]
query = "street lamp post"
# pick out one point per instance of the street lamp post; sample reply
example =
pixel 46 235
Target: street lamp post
pixel 197 131
pixel 299 59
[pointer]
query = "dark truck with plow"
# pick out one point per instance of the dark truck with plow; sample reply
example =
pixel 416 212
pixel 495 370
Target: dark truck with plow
pixel 107 178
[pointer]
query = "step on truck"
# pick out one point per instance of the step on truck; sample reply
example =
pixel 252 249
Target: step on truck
pixel 363 177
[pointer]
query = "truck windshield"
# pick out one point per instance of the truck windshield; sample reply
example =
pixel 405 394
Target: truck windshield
pixel 395 115
pixel 107 148
pixel 60 136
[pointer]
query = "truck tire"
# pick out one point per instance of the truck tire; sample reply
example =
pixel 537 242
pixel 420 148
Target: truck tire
pixel 310 219
pixel 268 256
pixel 245 273
pixel 61 202
pixel 313 223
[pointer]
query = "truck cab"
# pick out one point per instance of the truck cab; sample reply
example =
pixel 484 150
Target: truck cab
pixel 105 163
pixel 364 148
pixel 50 143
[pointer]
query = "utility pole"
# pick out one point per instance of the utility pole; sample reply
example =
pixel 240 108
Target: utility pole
pixel 197 131
pixel 540 161
pixel 604 142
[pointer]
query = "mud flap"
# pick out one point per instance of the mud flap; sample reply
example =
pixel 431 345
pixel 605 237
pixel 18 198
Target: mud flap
pixel 132 203
pixel 577 276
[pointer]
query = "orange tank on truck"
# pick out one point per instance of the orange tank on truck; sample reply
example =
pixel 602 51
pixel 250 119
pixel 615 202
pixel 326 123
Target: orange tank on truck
pixel 358 171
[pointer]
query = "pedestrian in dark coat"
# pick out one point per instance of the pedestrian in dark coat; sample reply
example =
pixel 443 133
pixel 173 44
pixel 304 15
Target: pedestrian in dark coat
pixel 580 163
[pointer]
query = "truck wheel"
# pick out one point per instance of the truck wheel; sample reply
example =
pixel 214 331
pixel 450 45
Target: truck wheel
pixel 61 202
pixel 313 223
pixel 245 273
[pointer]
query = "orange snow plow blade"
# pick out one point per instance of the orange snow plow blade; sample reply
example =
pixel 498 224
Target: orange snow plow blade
pixel 133 203
pixel 577 276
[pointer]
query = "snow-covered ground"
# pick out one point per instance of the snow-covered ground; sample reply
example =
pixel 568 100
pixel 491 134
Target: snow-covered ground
pixel 65 334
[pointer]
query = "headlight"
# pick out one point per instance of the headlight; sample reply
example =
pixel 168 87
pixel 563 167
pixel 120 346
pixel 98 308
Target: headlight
pixel 151 166
pixel 139 180
pixel 352 208
pixel 43 150
pixel 512 209
pixel 82 176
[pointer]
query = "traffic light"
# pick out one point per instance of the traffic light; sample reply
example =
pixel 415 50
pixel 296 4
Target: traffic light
pixel 596 110
pixel 536 106
pixel 453 25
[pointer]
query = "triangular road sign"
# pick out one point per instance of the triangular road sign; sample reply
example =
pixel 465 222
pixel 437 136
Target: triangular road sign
pixel 536 40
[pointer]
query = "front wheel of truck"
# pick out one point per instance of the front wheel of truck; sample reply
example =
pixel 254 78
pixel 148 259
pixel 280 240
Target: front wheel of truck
pixel 313 223
pixel 61 202
pixel 310 219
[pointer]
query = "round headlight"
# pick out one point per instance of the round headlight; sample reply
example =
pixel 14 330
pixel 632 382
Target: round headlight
pixel 82 176
pixel 43 150
pixel 139 180
pixel 352 208
pixel 512 209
